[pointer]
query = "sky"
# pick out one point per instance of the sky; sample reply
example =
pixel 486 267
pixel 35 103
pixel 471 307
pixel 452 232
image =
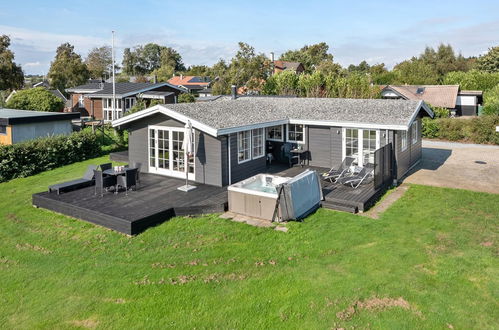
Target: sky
pixel 205 31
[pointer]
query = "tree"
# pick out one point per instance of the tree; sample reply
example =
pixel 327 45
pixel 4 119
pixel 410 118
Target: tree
pixel 363 67
pixel 146 59
pixel 99 62
pixel 474 80
pixel 38 99
pixel 312 85
pixel 355 85
pixel 170 57
pixel 67 70
pixel 11 74
pixel 415 72
pixel 186 98
pixel 286 83
pixel 310 56
pixel 490 61
pixel 247 65
pixel 198 70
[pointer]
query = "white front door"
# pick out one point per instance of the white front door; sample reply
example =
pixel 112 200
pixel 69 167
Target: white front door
pixel 166 155
pixel 360 144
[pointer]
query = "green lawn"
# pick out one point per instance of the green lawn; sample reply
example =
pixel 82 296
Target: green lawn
pixel 431 261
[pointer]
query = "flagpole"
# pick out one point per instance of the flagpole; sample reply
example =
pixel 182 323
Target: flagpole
pixel 114 82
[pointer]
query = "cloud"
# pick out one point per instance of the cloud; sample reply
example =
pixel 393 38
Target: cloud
pixel 31 64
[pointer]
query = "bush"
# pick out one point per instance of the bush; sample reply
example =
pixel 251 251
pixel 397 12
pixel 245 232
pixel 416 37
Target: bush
pixel 186 98
pixel 35 156
pixel 439 111
pixel 476 130
pixel 37 99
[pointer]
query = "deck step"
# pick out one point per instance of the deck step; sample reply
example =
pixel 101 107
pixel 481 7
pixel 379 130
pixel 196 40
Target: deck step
pixel 340 207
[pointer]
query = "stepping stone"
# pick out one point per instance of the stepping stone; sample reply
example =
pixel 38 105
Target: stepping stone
pixel 227 215
pixel 281 228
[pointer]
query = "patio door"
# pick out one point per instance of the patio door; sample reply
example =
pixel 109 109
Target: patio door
pixel 166 155
pixel 360 144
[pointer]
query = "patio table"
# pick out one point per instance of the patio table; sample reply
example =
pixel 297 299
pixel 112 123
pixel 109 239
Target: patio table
pixel 113 172
pixel 302 155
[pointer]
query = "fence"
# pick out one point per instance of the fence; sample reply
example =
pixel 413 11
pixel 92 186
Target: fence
pixel 383 166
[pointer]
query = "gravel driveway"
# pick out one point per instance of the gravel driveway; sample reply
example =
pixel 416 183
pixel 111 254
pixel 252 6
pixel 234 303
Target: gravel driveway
pixel 458 165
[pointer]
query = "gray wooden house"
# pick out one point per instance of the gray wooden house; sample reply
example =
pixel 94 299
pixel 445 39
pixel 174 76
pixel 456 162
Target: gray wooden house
pixel 233 137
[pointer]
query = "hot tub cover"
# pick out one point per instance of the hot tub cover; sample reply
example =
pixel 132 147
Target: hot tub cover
pixel 300 196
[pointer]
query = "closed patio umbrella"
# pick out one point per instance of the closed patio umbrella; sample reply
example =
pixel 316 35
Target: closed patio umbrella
pixel 187 147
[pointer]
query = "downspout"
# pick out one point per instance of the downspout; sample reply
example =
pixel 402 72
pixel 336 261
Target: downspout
pixel 229 163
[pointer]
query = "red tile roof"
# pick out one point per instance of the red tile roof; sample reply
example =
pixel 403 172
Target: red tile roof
pixel 186 81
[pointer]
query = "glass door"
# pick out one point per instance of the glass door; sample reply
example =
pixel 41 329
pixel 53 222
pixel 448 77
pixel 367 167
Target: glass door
pixel 360 144
pixel 166 155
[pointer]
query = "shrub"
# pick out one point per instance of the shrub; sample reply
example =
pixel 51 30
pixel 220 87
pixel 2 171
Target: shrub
pixel 430 128
pixel 37 99
pixel 186 98
pixel 476 130
pixel 439 111
pixel 34 156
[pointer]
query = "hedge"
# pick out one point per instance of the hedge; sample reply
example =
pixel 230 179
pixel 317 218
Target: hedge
pixel 476 130
pixel 27 158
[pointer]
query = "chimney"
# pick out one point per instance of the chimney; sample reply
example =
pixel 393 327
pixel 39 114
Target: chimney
pixel 272 56
pixel 155 79
pixel 233 90
pixel 181 76
pixel 101 85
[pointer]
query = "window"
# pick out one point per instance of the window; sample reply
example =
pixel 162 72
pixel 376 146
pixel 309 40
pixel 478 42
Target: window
pixel 352 143
pixel 3 129
pixel 81 103
pixel 107 105
pixel 129 103
pixel 368 145
pixel 414 132
pixel 274 133
pixel 296 133
pixel 403 140
pixel 243 146
pixel 257 143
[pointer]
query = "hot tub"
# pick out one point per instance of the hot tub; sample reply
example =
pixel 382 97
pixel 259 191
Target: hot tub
pixel 255 196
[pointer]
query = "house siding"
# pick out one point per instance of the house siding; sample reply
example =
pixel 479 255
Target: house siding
pixel 325 145
pixel 208 149
pixel 23 132
pixel 247 169
pixel 7 137
pixel 409 157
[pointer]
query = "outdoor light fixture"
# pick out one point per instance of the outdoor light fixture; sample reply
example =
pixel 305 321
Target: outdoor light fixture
pixel 337 131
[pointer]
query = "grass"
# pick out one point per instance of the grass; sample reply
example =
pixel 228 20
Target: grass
pixel 429 262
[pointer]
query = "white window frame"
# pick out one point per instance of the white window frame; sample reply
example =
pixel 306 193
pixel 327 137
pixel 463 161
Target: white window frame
pixel 131 102
pixel 81 101
pixel 403 140
pixel 274 127
pixel 240 150
pixel 107 109
pixel 414 132
pixel 295 141
pixel 257 132
pixel 169 172
pixel 360 146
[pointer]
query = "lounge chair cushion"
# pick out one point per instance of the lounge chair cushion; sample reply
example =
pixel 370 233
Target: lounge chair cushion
pixel 71 185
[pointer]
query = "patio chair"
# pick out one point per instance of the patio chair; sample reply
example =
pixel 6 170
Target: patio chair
pixel 357 179
pixel 137 165
pixel 103 183
pixel 128 180
pixel 341 171
pixel 106 166
pixel 86 181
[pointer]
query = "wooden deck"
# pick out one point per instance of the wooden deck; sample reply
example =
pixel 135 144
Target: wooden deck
pixel 337 197
pixel 155 201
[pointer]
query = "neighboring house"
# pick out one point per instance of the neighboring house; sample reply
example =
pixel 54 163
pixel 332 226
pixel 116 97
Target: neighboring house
pixel 205 92
pixel 95 99
pixel 192 84
pixel 296 67
pixel 463 103
pixel 233 136
pixel 20 125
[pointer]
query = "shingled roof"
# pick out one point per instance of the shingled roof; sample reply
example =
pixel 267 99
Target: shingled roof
pixel 226 115
pixel 123 89
pixel 437 95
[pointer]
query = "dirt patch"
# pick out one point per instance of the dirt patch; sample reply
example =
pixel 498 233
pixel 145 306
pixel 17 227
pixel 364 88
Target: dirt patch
pixel 185 279
pixel 7 262
pixel 27 246
pixel 382 206
pixel 374 304
pixel 115 300
pixel 88 323
pixel 486 243
pixel 14 218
